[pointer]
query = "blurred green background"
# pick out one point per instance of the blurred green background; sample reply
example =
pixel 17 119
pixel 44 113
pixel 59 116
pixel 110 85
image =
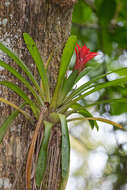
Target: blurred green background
pixel 99 158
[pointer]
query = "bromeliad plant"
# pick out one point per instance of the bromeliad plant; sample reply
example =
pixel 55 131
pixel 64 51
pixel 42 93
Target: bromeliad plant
pixel 65 96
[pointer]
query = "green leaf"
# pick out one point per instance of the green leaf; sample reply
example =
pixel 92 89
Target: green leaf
pixel 39 63
pixel 83 73
pixel 22 65
pixel 42 158
pixel 81 110
pixel 97 119
pixel 66 57
pixel 65 151
pixel 65 60
pixel 67 86
pixel 109 101
pixel 100 86
pixel 85 86
pixel 16 107
pixel 23 80
pixel 18 91
pixel 122 71
pixel 7 122
pixel 103 85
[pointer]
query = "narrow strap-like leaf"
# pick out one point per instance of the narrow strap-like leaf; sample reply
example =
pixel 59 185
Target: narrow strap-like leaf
pixel 42 157
pixel 16 107
pixel 81 89
pixel 39 63
pixel 97 119
pixel 81 110
pixel 66 57
pixel 23 80
pixel 82 73
pixel 7 122
pixel 98 87
pixel 67 86
pixel 65 60
pixel 20 92
pixel 20 63
pixel 65 160
pixel 103 85
pixel 108 101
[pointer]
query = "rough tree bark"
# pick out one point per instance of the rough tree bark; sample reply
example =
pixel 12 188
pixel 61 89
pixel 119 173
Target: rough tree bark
pixel 49 23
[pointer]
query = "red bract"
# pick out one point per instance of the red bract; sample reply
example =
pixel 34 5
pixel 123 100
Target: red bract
pixel 83 55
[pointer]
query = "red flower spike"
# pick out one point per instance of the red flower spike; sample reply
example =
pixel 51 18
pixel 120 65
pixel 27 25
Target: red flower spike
pixel 83 55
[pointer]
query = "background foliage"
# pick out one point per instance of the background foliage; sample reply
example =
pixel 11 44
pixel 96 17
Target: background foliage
pixel 102 26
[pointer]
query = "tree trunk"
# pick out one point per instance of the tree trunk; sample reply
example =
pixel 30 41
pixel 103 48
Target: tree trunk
pixel 49 24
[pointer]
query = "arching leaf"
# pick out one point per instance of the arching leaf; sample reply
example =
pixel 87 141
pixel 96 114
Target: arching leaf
pixel 20 63
pixel 84 112
pixel 23 80
pixel 39 63
pixel 65 60
pixel 7 122
pixel 88 84
pixel 20 92
pixel 67 86
pixel 16 107
pixel 103 85
pixel 97 119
